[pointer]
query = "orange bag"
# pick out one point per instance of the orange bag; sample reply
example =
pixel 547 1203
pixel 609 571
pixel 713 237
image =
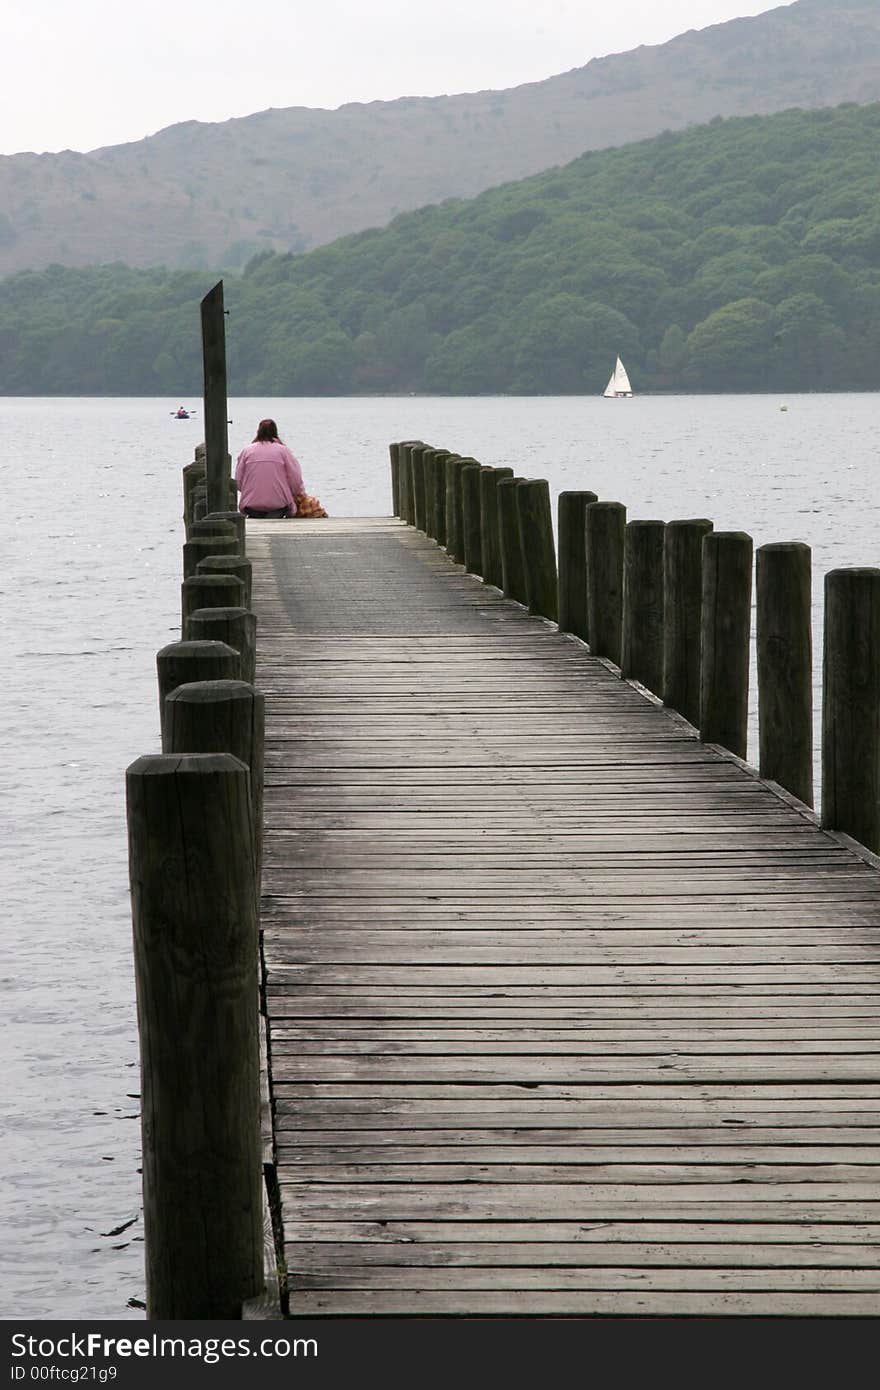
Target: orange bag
pixel 307 506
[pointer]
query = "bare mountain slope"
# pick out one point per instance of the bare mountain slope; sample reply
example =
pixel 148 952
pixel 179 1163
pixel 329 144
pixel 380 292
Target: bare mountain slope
pixel 212 195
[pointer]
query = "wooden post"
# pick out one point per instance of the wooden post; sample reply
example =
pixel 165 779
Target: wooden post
pixel 199 494
pixel 210 591
pixel 683 589
pixel 409 455
pixel 230 564
pixel 193 476
pixel 440 457
pixel 489 480
pixel 235 627
pixel 851 705
pixel 430 457
pixel 450 484
pixel 572 530
pixel 513 574
pixel 195 660
pixel 211 526
pixel 405 480
pixel 784 630
pixel 466 461
pixel 216 411
pixel 605 533
pixel 726 628
pixel 194 913
pixel 237 521
pixel 454 520
pixel 394 451
pixel 417 454
pixel 221 717
pixel 433 469
pixel 642 635
pixel 198 547
pixel 535 522
pixel 470 514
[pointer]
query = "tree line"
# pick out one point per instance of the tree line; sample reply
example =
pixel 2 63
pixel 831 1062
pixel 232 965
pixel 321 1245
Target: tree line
pixel 737 256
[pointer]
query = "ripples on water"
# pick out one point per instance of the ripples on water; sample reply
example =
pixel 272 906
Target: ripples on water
pixel 89 579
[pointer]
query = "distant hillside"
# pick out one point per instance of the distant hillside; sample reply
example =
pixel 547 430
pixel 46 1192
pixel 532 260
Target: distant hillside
pixel 741 255
pixel 212 195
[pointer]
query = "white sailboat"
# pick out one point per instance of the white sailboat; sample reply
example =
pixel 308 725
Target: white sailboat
pixel 619 385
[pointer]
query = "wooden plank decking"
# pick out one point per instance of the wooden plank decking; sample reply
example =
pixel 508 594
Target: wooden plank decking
pixel 569 1013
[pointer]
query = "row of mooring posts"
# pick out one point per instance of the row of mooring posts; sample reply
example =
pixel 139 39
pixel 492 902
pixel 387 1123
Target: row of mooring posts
pixel 670 605
pixel 195 826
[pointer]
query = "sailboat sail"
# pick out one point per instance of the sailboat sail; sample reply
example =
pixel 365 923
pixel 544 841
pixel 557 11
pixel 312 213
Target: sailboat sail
pixel 619 383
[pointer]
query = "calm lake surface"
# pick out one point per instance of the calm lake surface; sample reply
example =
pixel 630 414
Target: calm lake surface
pixel 90 574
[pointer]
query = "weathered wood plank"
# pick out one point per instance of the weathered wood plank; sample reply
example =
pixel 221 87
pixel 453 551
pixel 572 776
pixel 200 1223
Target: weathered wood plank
pixel 452 1254
pixel 656 1156
pixel 691 1278
pixel 748 1142
pixel 357 1237
pixel 574 1303
pixel 574 1201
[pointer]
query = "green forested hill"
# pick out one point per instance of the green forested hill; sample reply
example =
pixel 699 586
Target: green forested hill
pixel 736 256
pixel 210 195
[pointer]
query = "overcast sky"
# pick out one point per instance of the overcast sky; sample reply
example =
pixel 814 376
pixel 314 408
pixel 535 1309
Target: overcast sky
pixel 77 74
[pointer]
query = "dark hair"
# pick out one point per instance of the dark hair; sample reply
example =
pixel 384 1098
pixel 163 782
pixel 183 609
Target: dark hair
pixel 266 430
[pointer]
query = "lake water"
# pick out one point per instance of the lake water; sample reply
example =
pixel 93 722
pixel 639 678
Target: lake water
pixel 90 574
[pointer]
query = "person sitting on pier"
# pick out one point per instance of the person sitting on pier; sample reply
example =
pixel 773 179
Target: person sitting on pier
pixel 268 476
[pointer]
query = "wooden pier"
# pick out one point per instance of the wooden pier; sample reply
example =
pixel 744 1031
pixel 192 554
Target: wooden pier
pixel 569 1012
pixel 477 974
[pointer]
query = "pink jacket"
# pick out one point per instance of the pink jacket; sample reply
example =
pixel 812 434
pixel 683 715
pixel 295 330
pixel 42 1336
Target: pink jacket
pixel 268 476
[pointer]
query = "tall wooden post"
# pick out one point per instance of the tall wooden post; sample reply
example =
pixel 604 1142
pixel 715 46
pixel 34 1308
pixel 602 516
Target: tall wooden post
pixel 784 630
pixel 605 531
pixel 463 461
pixel 642 640
pixel 394 451
pixel 572 528
pixel 726 629
pixel 215 403
pixel 229 564
pixel 472 537
pixel 450 472
pixel 440 457
pixel 194 913
pixel 430 466
pixel 196 659
pixel 454 519
pixel 238 522
pixel 682 623
pixel 198 547
pixel 221 717
pixel 536 541
pixel 212 526
pixel 233 627
pixel 403 482
pixel 209 591
pixel 489 480
pixel 513 574
pixel 851 705
pixel 193 477
pixel 417 456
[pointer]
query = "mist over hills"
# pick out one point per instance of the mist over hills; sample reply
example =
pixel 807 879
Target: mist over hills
pixel 212 195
